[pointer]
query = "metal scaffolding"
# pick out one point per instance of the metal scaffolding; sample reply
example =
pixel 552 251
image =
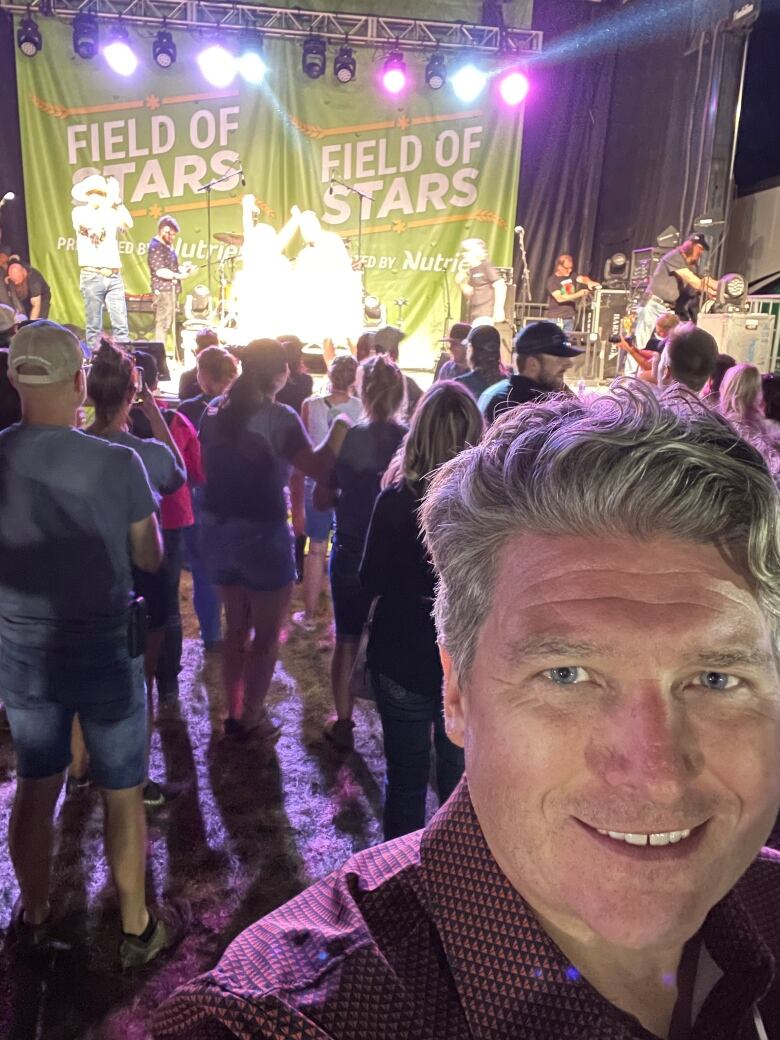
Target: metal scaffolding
pixel 414 34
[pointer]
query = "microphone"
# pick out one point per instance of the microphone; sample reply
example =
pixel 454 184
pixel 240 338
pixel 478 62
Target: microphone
pixel 8 197
pixel 243 179
pixel 332 180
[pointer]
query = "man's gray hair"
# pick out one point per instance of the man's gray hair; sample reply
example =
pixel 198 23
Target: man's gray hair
pixel 625 462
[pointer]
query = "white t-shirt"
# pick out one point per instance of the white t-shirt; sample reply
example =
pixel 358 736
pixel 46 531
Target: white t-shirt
pixel 105 223
pixel 321 415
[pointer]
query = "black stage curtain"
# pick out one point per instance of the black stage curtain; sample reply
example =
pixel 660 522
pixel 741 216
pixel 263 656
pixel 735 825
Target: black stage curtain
pixel 12 217
pixel 566 121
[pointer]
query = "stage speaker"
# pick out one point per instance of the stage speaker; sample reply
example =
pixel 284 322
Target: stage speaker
pixel 156 349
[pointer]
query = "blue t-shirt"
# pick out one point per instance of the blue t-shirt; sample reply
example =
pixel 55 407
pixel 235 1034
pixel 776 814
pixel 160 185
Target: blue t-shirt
pixel 246 474
pixel 364 457
pixel 67 501
pixel 164 472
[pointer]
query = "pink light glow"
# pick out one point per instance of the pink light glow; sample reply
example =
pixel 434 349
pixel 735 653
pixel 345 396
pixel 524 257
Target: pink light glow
pixel 394 81
pixel 514 88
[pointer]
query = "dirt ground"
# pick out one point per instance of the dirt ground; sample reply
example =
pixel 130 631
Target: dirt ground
pixel 241 836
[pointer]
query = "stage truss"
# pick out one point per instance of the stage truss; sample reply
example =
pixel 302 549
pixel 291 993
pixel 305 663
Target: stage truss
pixel 413 34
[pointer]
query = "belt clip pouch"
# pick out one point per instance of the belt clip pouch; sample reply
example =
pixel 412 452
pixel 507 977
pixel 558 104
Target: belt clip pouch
pixel 137 627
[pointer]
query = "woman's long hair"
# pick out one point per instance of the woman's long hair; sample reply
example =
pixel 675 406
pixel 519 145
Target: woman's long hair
pixel 381 386
pixel 446 421
pixel 263 363
pixel 110 382
pixel 740 396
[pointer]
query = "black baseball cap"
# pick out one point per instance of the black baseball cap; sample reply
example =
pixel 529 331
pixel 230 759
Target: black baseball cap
pixel 700 240
pixel 458 333
pixel 544 337
pixel 486 340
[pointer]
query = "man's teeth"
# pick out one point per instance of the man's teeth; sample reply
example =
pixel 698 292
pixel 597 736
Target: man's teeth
pixel 661 838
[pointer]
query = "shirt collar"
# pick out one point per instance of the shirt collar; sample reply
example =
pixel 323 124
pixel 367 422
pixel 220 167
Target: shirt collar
pixel 512 979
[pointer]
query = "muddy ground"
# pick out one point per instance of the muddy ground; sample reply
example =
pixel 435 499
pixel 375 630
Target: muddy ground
pixel 241 836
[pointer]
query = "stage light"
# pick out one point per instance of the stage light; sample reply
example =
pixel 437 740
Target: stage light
pixel 436 71
pixel 732 290
pixel 164 49
pixel 217 65
pixel 85 35
pixel 394 78
pixel 28 36
pixel 118 53
pixel 315 57
pixel 468 83
pixel 344 65
pixel 251 64
pixel 513 88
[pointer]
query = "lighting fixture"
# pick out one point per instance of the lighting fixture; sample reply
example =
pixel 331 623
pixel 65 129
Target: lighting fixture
pixel 394 77
pixel 732 290
pixel 513 88
pixel 251 63
pixel 164 49
pixel 469 82
pixel 344 64
pixel 436 71
pixel 118 53
pixel 217 65
pixel 315 56
pixel 85 36
pixel 28 36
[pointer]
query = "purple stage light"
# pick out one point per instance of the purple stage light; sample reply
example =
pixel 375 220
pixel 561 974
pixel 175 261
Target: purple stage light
pixel 118 53
pixel 514 87
pixel 217 65
pixel 394 78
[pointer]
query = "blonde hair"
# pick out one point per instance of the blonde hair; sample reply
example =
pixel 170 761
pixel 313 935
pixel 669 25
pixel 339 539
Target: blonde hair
pixel 740 395
pixel 446 421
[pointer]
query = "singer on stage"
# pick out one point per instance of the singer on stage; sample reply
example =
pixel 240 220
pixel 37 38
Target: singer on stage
pixel 98 219
pixel 481 284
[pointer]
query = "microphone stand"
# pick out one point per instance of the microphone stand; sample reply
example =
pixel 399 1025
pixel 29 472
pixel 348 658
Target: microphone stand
pixel 207 188
pixel 525 277
pixel 362 195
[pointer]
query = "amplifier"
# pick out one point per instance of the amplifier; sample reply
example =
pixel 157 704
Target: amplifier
pixel 747 337
pixel 139 303
pixel 604 320
pixel 156 349
pixel 643 265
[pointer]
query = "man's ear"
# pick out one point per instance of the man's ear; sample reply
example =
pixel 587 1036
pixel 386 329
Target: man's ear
pixel 454 701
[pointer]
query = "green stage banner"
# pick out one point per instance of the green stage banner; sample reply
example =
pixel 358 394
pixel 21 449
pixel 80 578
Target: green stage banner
pixel 435 170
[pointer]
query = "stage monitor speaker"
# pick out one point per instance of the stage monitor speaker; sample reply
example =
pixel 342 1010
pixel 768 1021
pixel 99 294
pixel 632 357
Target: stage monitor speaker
pixel 747 337
pixel 643 265
pixel 156 349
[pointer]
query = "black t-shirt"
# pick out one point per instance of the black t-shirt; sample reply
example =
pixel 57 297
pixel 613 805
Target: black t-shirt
pixel 295 391
pixel 36 286
pixel 481 280
pixel 566 284
pixel 664 283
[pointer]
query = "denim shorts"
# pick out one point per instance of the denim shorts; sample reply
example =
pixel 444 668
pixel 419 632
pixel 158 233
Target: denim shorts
pixel 257 555
pixel 95 679
pixel 351 602
pixel 318 523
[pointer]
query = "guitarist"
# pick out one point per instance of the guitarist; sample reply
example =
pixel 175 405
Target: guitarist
pixel 166 275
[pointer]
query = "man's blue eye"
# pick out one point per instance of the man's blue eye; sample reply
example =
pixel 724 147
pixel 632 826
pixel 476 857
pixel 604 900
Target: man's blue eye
pixel 718 680
pixel 567 676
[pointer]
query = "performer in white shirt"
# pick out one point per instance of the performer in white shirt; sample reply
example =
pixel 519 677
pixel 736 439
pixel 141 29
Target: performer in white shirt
pixel 98 218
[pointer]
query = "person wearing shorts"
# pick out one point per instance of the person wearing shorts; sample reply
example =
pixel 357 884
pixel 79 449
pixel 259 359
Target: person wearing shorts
pixel 353 487
pixel 249 444
pixel 71 506
pixel 318 413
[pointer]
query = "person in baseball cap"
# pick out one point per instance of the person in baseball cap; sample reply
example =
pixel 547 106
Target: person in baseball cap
pixel 456 342
pixel 43 353
pixel 541 355
pixel 484 358
pixel 9 322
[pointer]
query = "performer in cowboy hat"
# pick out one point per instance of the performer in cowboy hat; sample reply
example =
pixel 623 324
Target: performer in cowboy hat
pixel 98 217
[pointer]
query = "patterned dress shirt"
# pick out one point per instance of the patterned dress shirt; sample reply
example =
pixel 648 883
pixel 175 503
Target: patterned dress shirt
pixel 162 255
pixel 424 938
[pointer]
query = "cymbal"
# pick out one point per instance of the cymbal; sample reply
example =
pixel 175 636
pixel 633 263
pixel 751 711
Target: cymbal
pixel 229 238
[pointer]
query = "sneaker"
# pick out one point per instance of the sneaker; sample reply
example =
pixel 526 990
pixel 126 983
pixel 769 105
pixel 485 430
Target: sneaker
pixel 171 925
pixel 154 796
pixel 301 619
pixel 340 733
pixel 78 785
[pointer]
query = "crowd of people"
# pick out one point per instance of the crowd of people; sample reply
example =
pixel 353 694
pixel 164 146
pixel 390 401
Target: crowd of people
pixel 255 481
